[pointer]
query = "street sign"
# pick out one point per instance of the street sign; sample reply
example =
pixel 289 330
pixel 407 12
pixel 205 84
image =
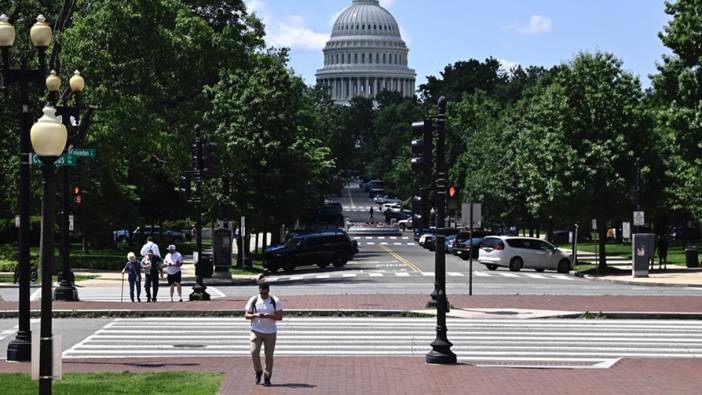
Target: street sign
pixel 638 218
pixel 594 224
pixel 477 214
pixel 63 160
pixel 626 230
pixel 83 152
pixel 17 221
pixel 70 223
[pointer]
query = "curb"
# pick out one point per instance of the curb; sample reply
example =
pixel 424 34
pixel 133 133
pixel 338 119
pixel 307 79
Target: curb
pixel 632 282
pixel 103 313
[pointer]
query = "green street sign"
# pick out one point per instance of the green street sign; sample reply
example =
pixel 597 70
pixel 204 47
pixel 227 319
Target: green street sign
pixel 83 152
pixel 63 160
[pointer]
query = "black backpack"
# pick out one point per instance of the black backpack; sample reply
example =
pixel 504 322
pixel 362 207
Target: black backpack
pixel 256 301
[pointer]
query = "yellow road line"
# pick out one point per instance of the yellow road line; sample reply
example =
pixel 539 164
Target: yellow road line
pixel 401 259
pixel 353 205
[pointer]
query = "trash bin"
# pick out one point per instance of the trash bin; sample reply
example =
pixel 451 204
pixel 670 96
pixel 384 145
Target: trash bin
pixel 691 257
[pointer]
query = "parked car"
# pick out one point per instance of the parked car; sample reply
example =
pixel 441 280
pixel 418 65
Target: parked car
pixel 430 241
pixel 405 223
pixel 448 244
pixel 391 207
pixel 465 247
pixel 321 248
pixel 373 192
pixel 398 215
pixel 120 236
pixel 378 184
pixel 518 253
pixel 333 206
pixel 159 235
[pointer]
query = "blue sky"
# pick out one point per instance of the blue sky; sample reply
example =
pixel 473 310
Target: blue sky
pixel 441 32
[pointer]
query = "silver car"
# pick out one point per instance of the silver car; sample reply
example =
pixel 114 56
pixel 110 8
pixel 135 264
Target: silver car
pixel 518 253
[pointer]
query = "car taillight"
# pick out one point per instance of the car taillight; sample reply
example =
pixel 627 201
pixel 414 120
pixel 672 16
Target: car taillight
pixel 499 247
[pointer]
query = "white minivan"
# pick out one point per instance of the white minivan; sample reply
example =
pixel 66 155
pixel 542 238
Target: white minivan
pixel 518 253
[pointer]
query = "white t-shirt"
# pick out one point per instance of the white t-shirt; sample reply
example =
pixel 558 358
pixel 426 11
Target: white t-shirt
pixel 173 262
pixel 150 245
pixel 264 325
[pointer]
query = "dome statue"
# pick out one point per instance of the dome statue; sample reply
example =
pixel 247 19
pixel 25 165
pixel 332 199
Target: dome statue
pixel 365 55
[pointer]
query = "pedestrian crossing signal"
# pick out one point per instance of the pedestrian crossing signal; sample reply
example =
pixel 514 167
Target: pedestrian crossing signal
pixel 453 200
pixel 77 195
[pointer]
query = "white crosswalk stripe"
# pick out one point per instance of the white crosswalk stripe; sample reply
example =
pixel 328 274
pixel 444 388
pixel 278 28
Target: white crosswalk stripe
pixel 455 274
pixel 383 273
pixel 559 343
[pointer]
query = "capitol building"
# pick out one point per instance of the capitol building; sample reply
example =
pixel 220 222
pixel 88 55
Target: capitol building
pixel 365 55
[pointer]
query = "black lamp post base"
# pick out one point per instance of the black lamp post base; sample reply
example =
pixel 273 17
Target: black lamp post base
pixel 67 293
pixel 431 303
pixel 446 357
pixel 20 350
pixel 199 293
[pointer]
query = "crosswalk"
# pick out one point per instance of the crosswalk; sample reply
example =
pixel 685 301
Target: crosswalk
pixel 385 240
pixel 485 342
pixel 117 294
pixel 364 209
pixel 361 274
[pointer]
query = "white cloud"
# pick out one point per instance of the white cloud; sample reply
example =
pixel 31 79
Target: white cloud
pixel 387 3
pixel 538 24
pixel 507 65
pixel 291 32
pixel 406 37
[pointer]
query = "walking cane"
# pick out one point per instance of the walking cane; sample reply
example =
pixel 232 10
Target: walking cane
pixel 121 296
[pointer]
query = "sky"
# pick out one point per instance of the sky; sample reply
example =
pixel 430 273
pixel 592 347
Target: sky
pixel 442 32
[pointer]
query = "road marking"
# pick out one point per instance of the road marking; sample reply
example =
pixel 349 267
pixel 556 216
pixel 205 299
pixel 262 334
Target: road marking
pixel 563 277
pixel 345 275
pixel 383 243
pixel 401 259
pixel 481 274
pixel 455 274
pixel 375 274
pixel 370 243
pixel 533 275
pixel 296 278
pixel 507 274
pixel 397 243
pixel 322 276
pixel 353 205
pixel 428 274
pixel 402 274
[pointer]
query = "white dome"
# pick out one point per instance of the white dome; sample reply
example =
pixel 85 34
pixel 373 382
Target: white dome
pixel 365 18
pixel 365 55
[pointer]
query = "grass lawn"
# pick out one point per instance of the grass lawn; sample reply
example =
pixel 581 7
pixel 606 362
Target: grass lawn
pixel 167 383
pixel 256 269
pixel 676 255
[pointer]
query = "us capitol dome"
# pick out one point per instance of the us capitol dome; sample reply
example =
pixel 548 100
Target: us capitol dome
pixel 365 55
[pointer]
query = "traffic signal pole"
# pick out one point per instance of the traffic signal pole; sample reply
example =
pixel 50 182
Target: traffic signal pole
pixel 199 289
pixel 441 347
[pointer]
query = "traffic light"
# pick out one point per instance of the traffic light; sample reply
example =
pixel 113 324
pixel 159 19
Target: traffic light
pixel 184 186
pixel 422 147
pixel 195 155
pixel 453 197
pixel 77 195
pixel 417 212
pixel 210 160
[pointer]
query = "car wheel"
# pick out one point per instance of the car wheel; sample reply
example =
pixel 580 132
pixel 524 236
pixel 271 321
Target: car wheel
pixel 516 264
pixel 491 267
pixel 322 265
pixel 464 257
pixel 564 266
pixel 272 268
pixel 539 270
pixel 338 261
pixel 289 267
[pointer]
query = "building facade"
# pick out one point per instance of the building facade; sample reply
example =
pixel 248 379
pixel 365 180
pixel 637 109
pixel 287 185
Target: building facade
pixel 365 55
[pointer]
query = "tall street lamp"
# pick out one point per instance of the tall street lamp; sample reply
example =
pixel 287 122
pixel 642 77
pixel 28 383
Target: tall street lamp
pixel 49 138
pixel 41 35
pixel 70 116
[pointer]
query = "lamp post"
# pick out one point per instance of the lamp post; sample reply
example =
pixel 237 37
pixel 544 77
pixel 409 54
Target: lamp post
pixel 49 138
pixel 41 35
pixel 66 290
pixel 441 346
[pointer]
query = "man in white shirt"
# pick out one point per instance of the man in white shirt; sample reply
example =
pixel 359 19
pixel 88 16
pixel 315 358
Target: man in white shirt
pixel 263 310
pixel 174 261
pixel 150 245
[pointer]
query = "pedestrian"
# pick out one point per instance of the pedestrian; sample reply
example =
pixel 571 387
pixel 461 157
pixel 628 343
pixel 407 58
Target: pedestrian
pixel 371 213
pixel 174 261
pixel 263 310
pixel 150 245
pixel 153 267
pixel 663 252
pixel 133 268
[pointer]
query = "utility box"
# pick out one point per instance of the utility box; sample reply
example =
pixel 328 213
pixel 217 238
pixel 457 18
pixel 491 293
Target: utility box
pixel 642 246
pixel 222 250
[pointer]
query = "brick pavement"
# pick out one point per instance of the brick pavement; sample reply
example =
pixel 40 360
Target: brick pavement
pixel 411 302
pixel 411 376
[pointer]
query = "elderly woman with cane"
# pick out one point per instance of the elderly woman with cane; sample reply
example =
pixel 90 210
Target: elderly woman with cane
pixel 133 267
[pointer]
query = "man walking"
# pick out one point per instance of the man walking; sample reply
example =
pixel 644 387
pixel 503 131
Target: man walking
pixel 153 267
pixel 174 261
pixel 263 310
pixel 371 213
pixel 150 246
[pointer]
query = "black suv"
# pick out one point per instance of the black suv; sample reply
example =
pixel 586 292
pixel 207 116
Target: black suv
pixel 321 248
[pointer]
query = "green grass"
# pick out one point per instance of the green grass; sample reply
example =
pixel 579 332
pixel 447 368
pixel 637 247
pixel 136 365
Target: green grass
pixel 256 269
pixel 676 255
pixel 167 383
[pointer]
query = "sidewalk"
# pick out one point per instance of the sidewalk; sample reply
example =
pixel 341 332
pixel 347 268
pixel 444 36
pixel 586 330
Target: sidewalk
pixel 412 376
